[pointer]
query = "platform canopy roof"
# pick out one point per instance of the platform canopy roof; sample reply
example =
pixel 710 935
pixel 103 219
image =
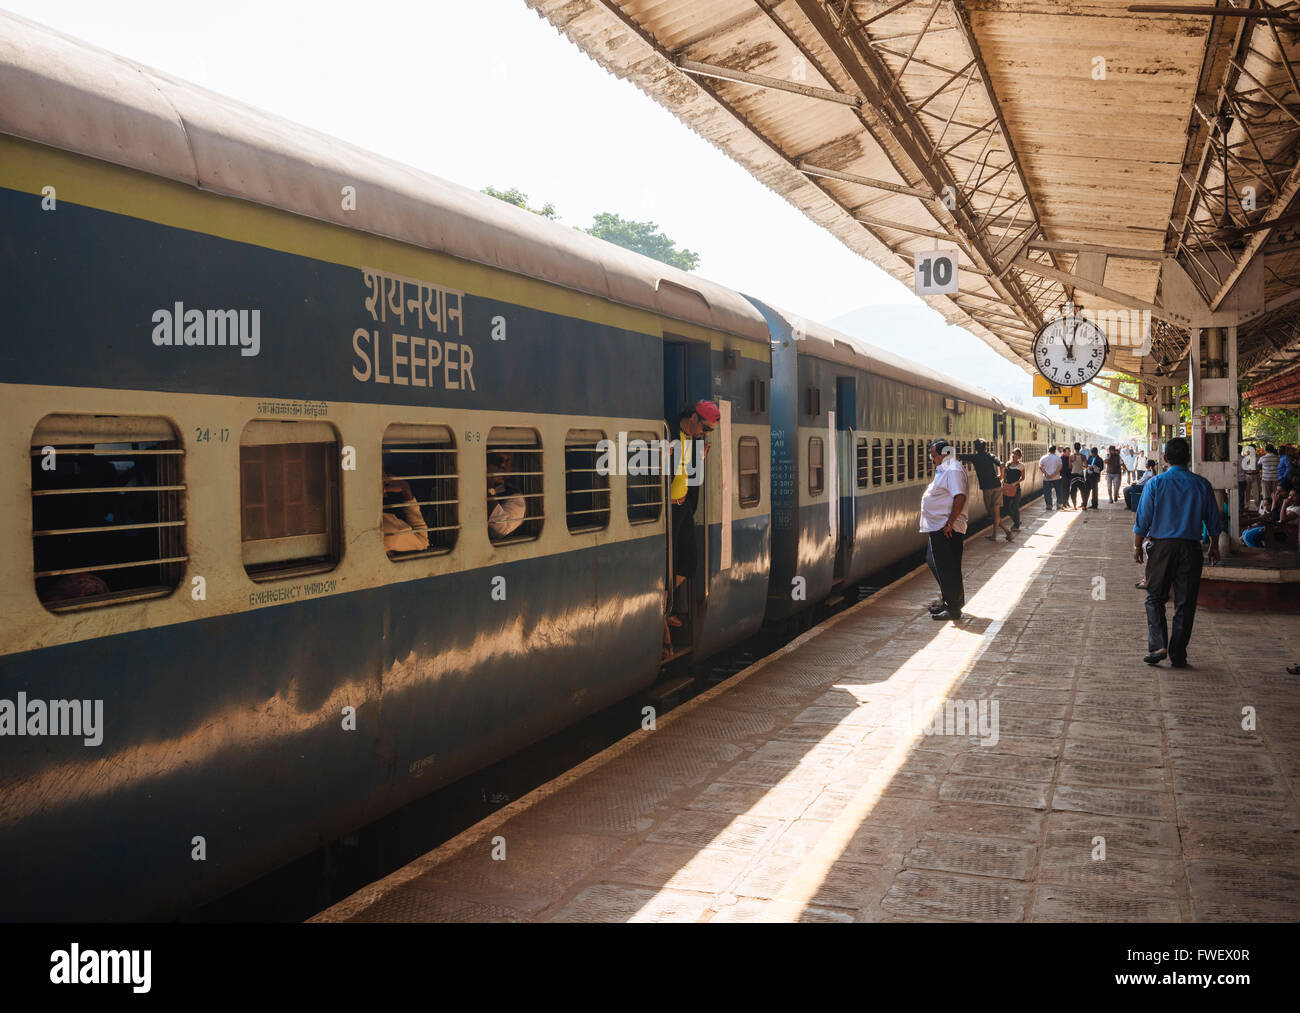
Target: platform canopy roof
pixel 1067 148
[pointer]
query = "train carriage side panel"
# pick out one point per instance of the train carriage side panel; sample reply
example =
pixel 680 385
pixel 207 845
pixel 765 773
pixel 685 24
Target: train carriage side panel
pixel 783 466
pixel 223 715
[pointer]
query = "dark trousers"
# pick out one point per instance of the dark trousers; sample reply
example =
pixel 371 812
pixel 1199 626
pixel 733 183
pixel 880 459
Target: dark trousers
pixel 1131 494
pixel 943 554
pixel 1011 508
pixel 1172 563
pixel 1051 492
pixel 1090 483
pixel 684 554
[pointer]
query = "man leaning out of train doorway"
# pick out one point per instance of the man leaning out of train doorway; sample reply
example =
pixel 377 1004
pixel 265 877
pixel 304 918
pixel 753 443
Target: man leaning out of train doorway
pixel 690 447
pixel 944 513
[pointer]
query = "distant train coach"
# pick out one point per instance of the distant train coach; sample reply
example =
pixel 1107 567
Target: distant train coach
pixel 310 509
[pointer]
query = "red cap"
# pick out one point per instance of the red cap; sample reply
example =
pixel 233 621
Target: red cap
pixel 708 411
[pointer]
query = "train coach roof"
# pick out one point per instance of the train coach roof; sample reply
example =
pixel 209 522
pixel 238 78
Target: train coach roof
pixel 836 346
pixel 64 93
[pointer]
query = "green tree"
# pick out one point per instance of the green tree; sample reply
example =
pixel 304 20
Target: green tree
pixel 1275 425
pixel 1127 420
pixel 642 237
pixel 519 199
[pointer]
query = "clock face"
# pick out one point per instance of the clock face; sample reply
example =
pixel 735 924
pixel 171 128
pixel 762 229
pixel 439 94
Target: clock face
pixel 1070 350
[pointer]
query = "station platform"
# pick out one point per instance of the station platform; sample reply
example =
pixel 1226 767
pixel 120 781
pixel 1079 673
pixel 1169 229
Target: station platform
pixel 807 787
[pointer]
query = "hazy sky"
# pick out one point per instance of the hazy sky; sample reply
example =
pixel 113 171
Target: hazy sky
pixel 485 92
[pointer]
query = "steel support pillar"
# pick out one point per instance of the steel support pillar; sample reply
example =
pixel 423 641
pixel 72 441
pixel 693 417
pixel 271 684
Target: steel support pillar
pixel 1212 397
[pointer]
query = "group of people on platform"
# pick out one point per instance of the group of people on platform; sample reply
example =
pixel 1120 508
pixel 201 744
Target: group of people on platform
pixel 1268 484
pixel 1175 510
pixel 1072 478
pixel 1262 471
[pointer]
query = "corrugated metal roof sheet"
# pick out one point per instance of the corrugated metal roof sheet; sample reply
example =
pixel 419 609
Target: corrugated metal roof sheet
pixel 1076 120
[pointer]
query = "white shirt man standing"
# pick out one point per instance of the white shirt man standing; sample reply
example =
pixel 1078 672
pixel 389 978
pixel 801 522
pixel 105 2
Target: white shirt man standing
pixel 944 515
pixel 1049 465
pixel 1129 458
pixel 1250 465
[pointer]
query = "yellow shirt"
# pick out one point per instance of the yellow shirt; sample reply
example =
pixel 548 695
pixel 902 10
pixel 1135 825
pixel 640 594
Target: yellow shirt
pixel 679 486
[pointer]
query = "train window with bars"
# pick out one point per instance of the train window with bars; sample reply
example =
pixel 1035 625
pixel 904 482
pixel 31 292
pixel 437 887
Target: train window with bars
pixel 290 504
pixel 889 462
pixel 645 483
pixel 420 491
pixel 862 463
pixel 816 465
pixel 747 470
pixel 586 486
pixel 899 461
pixel 911 460
pixel 108 521
pixel 876 476
pixel 514 501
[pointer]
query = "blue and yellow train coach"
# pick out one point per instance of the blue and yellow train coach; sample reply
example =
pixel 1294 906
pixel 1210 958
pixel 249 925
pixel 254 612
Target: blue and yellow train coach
pixel 304 492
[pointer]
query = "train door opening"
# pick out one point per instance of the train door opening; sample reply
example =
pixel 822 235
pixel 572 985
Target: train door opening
pixel 843 498
pixel 686 378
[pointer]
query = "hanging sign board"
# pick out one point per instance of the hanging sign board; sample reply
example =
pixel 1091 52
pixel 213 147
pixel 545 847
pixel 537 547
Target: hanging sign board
pixel 1216 422
pixel 1070 397
pixel 936 272
pixel 1076 401
pixel 1044 387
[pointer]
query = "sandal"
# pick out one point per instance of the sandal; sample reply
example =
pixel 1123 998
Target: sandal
pixel 1293 669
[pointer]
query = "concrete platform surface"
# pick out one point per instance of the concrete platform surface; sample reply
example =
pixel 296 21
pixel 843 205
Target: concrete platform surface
pixel 1079 785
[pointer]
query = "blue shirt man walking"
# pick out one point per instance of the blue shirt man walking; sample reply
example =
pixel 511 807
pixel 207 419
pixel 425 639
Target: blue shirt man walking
pixel 1171 512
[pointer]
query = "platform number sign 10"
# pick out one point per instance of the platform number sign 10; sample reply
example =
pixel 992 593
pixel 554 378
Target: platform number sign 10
pixel 936 272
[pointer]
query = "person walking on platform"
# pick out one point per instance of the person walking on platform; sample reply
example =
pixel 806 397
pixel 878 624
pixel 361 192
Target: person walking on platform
pixel 944 513
pixel 1092 477
pixel 1050 467
pixel 1078 477
pixel 1173 508
pixel 988 470
pixel 1012 475
pixel 1063 483
pixel 1114 472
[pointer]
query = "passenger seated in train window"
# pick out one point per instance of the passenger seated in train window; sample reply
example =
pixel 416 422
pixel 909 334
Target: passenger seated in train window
pixel 71 587
pixel 505 501
pixel 404 526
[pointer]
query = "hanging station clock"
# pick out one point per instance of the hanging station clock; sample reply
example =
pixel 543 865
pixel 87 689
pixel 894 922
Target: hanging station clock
pixel 1070 349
